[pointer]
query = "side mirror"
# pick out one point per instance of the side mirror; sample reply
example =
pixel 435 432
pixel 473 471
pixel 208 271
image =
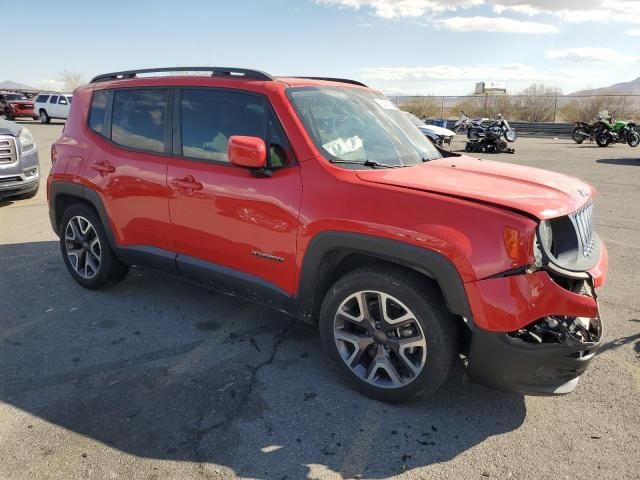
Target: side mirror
pixel 249 152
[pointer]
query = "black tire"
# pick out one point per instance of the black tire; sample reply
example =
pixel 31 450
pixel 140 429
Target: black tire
pixel 44 116
pixel 603 139
pixel 35 117
pixel 491 148
pixel 439 327
pixel 633 139
pixel 578 135
pixel 28 195
pixel 468 147
pixel 8 115
pixel 473 134
pixel 110 268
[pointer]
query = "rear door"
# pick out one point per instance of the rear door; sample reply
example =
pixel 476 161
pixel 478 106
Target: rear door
pixel 52 106
pixel 128 166
pixel 224 218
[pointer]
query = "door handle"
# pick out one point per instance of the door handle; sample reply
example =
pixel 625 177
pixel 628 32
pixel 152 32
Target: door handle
pixel 186 183
pixel 104 168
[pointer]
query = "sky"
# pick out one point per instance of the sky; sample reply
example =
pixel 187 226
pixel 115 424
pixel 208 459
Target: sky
pixel 438 47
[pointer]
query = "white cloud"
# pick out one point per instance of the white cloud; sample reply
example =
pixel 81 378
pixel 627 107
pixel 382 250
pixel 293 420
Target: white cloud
pixel 633 31
pixel 502 72
pixel 403 8
pixel 589 54
pixel 495 24
pixel 574 11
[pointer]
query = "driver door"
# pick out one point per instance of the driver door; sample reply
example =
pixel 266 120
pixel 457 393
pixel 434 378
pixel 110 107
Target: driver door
pixel 226 221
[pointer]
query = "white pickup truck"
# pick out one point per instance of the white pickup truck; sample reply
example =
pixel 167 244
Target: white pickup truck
pixel 52 105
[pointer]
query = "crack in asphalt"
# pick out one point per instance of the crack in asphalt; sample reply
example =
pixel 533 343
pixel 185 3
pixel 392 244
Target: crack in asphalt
pixel 239 405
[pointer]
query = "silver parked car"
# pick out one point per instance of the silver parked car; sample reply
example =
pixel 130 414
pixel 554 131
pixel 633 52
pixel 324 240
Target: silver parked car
pixel 19 163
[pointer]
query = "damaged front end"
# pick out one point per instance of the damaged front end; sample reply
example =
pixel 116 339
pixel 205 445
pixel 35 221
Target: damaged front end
pixel 563 330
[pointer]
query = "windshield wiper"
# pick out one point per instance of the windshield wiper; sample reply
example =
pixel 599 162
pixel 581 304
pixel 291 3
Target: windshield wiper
pixel 368 163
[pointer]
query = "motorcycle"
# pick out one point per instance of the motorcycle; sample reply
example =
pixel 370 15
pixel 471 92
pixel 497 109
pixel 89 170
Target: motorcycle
pixel 618 132
pixel 584 130
pixel 487 137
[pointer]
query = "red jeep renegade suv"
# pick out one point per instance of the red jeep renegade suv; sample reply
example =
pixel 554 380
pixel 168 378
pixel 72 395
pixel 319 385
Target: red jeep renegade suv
pixel 318 197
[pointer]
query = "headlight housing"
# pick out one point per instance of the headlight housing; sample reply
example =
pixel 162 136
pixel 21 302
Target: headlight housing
pixel 544 238
pixel 26 139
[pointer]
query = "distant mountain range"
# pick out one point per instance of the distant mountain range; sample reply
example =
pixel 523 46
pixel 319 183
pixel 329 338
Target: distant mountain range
pixel 624 88
pixel 9 85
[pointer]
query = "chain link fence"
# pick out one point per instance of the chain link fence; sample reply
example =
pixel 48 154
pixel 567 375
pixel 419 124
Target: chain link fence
pixel 523 108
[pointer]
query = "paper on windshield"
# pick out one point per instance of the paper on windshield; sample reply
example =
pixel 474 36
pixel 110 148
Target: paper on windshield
pixel 351 148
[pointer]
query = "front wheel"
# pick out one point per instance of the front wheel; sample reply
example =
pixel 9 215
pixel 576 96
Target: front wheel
pixel 511 135
pixel 633 139
pixel 86 250
pixel 388 332
pixel 603 139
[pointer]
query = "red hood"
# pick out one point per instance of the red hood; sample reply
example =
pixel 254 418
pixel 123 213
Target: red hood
pixel 537 192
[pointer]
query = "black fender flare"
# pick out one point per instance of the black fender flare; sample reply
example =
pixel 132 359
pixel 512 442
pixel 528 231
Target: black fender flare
pixel 131 255
pixel 428 262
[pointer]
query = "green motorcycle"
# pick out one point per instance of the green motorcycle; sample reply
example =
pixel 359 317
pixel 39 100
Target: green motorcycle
pixel 617 132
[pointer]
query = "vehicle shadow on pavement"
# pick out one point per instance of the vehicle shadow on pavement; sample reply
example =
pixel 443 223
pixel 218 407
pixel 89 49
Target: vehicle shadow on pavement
pixel 620 161
pixel 161 368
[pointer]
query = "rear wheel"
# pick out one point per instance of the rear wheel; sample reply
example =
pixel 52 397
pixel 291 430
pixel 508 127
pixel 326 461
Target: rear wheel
pixel 473 134
pixel 44 117
pixel 633 139
pixel 389 333
pixel 578 135
pixel 8 115
pixel 86 250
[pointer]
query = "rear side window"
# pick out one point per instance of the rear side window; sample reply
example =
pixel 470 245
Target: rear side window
pixel 138 118
pixel 62 101
pixel 42 98
pixel 209 117
pixel 54 99
pixel 98 109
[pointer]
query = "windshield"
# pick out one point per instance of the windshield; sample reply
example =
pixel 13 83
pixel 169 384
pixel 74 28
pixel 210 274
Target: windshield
pixel 15 96
pixel 415 120
pixel 354 125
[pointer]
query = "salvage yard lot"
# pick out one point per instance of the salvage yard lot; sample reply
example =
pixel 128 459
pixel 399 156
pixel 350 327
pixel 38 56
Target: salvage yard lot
pixel 159 378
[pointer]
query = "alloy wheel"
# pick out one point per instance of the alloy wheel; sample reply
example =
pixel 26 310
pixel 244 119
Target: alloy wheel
pixel 82 247
pixel 379 339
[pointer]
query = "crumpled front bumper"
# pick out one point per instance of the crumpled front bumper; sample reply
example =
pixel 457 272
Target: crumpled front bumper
pixel 506 352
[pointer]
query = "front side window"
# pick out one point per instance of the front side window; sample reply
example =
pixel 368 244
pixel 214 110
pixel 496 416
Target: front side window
pixel 62 101
pixel 138 118
pixel 209 117
pixel 353 126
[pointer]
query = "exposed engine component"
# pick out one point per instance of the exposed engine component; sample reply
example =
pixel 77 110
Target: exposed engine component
pixel 570 330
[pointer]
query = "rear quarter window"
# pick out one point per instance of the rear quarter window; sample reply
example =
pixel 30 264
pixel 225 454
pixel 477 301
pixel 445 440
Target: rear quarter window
pixel 97 112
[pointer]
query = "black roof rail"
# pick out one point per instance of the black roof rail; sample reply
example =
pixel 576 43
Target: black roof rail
pixel 215 72
pixel 332 79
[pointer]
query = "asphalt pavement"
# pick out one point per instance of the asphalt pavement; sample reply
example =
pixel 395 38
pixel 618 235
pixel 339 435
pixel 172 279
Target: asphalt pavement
pixel 159 378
